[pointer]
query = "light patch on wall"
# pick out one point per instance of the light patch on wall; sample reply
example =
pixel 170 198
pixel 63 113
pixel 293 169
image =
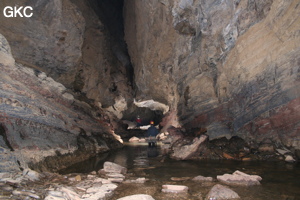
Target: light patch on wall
pixel 152 105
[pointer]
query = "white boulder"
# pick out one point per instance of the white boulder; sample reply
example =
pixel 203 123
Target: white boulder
pixel 174 188
pixel 137 197
pixel 221 192
pixel 240 178
pixel 110 167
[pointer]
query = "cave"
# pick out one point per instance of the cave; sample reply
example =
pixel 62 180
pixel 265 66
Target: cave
pixel 219 80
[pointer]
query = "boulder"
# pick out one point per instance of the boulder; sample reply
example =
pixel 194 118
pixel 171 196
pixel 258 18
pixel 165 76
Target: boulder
pixel 202 179
pixel 137 197
pixel 283 151
pixel 115 175
pixel 240 178
pixel 220 192
pixel 138 180
pixel 69 193
pixel 99 192
pixel 31 174
pixel 289 158
pixel 186 151
pixel 27 194
pixel 134 139
pixel 110 167
pixel 62 193
pixel 174 188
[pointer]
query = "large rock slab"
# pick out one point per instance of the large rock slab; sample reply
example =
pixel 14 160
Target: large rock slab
pixel 99 192
pixel 240 178
pixel 220 192
pixel 202 179
pixel 174 188
pixel 186 151
pixel 62 193
pixel 111 167
pixel 137 197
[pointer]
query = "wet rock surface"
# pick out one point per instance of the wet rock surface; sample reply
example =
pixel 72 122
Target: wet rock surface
pixel 179 145
pixel 68 42
pixel 137 197
pixel 221 192
pixel 42 125
pixel 202 179
pixel 233 70
pixel 240 178
pixel 183 145
pixel 148 177
pixel 174 188
pixel 95 186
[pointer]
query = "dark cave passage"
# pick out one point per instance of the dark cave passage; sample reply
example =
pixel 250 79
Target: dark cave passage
pixel 110 13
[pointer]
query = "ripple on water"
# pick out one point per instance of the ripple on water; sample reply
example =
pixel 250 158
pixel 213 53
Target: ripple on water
pixel 280 180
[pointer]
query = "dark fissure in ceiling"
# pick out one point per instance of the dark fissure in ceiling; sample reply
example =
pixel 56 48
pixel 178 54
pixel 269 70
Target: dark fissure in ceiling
pixel 110 13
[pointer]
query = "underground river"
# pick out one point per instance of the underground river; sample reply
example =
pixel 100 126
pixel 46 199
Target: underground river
pixel 280 180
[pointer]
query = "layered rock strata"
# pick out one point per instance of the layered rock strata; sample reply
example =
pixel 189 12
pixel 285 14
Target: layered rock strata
pixel 67 41
pixel 231 67
pixel 40 119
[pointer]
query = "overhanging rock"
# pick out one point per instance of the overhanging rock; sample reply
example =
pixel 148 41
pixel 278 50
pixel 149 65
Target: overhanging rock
pixel 152 105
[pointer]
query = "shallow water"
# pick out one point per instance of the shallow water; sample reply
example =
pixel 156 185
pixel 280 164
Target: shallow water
pixel 280 180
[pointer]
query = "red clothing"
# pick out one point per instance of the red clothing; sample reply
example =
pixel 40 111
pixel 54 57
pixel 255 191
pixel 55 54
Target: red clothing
pixel 138 120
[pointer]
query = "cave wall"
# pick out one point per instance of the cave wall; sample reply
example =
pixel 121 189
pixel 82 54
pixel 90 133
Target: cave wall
pixel 229 66
pixel 62 85
pixel 40 119
pixel 50 40
pixel 67 41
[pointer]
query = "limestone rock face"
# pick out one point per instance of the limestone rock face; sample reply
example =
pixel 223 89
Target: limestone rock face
pixel 5 52
pixel 39 119
pixel 50 40
pixel 101 72
pixel 234 64
pixel 67 41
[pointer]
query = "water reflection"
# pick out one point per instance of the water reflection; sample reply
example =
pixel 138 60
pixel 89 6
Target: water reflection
pixel 152 151
pixel 280 180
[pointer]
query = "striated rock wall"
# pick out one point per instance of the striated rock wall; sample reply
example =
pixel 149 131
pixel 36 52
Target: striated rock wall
pixel 50 40
pixel 39 119
pixel 67 41
pixel 229 67
pixel 77 86
pixel 233 64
